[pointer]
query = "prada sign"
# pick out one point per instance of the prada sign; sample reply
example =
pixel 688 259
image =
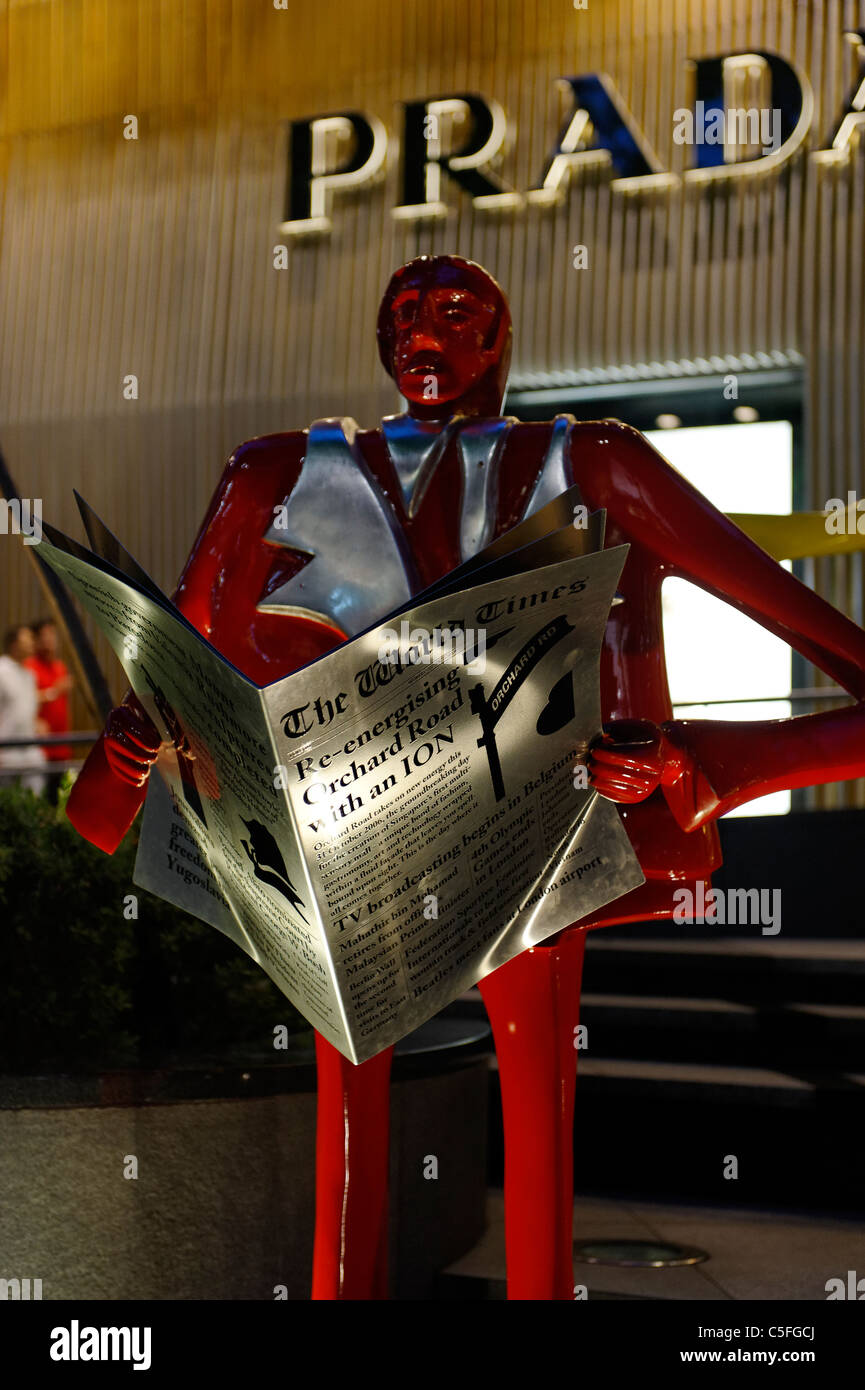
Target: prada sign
pixel 751 112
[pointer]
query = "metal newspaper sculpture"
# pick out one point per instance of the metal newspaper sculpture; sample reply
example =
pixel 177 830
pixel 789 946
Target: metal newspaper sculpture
pixel 313 534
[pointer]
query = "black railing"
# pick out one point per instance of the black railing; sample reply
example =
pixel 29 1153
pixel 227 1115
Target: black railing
pixel 75 737
pixel 46 740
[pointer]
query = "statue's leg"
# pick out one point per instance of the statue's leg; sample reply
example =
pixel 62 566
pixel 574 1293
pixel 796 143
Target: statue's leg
pixel 533 1004
pixel 352 1160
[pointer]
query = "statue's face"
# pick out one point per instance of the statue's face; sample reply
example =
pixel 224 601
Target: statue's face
pixel 441 333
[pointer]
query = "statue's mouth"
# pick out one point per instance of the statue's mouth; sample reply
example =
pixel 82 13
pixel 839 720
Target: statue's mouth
pixel 426 362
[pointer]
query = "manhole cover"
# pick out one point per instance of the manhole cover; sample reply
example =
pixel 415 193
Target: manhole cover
pixel 644 1254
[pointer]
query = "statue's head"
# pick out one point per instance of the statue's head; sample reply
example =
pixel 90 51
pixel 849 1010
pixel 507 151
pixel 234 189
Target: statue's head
pixel 444 335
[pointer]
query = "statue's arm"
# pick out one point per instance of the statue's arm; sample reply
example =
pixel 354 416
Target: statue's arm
pixel 707 767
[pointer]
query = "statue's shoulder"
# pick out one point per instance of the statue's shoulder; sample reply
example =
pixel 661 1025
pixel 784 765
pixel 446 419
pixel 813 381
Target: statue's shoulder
pixel 619 449
pixel 612 434
pixel 264 448
pixel 265 463
pixel 259 473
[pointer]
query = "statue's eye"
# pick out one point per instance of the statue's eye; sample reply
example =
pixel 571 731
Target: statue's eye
pixel 455 313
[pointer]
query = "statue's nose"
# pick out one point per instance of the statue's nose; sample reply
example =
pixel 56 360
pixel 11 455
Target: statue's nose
pixel 421 340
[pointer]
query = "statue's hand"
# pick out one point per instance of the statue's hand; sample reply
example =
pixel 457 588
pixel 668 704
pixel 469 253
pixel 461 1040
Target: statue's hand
pixel 631 759
pixel 132 742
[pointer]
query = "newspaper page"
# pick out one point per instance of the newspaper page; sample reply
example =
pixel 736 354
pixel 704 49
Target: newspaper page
pixel 227 851
pixel 439 804
pixel 379 834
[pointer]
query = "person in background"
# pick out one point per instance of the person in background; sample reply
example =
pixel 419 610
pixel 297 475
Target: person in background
pixel 19 704
pixel 53 684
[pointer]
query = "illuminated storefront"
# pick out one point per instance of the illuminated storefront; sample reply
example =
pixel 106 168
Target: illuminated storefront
pixel 673 197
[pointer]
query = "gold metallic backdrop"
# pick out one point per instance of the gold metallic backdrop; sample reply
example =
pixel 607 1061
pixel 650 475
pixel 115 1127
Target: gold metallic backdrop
pixel 155 256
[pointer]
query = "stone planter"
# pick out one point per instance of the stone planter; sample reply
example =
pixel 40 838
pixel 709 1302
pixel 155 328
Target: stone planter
pixel 223 1202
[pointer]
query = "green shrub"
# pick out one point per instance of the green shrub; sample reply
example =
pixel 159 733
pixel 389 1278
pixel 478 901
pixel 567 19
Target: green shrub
pixel 82 986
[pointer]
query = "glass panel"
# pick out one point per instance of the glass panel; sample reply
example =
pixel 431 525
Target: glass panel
pixel 715 653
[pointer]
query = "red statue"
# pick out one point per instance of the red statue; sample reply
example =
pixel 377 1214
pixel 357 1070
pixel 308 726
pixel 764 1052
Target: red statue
pixel 444 335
